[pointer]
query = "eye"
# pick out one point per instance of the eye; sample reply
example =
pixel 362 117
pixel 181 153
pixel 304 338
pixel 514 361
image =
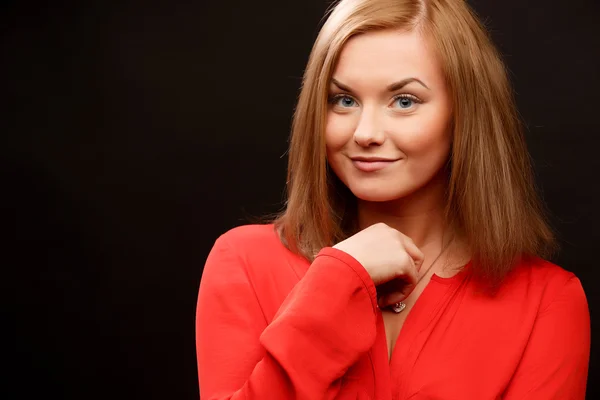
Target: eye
pixel 406 101
pixel 342 100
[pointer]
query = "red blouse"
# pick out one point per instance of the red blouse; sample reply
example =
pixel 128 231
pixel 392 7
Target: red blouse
pixel 270 325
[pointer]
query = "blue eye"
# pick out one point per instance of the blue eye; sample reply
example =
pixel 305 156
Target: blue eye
pixel 343 101
pixel 405 101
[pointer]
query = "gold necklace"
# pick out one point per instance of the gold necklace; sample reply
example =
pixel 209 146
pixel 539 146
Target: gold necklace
pixel 400 306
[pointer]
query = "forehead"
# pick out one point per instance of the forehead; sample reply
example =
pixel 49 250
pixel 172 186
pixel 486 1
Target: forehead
pixel 381 57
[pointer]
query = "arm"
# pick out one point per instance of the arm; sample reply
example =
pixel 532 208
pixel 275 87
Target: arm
pixel 555 362
pixel 324 325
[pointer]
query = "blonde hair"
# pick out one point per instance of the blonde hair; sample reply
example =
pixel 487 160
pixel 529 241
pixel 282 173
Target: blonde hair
pixel 491 196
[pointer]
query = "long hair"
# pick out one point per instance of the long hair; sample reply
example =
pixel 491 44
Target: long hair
pixel 491 195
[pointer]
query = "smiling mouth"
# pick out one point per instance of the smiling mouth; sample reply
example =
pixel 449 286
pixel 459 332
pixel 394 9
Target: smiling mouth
pixel 372 164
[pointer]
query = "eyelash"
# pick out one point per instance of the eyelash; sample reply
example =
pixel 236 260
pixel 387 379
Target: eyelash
pixel 332 99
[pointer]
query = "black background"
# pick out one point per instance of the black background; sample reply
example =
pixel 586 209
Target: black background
pixel 133 134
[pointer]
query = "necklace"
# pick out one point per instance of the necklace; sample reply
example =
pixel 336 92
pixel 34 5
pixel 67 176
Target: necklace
pixel 400 306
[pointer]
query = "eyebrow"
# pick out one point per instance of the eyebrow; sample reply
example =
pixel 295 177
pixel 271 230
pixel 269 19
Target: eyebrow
pixel 391 88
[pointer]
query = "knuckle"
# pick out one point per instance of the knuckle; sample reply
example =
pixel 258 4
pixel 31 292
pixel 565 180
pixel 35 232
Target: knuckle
pixel 380 225
pixel 405 259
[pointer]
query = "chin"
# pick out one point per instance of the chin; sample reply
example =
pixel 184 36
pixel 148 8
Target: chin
pixel 378 193
pixel 375 198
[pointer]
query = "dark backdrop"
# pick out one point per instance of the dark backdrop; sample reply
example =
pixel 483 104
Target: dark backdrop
pixel 133 134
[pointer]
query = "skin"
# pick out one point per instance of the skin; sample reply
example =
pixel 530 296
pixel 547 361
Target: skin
pixel 409 126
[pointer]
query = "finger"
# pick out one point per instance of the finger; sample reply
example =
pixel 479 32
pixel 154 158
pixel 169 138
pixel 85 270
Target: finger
pixel 388 300
pixel 396 290
pixel 412 277
pixel 382 302
pixel 414 252
pixel 396 296
pixel 409 271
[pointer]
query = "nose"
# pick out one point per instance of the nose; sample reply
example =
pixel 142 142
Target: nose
pixel 369 131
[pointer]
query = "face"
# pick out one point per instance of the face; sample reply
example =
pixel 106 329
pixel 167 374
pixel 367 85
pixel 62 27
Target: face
pixel 388 122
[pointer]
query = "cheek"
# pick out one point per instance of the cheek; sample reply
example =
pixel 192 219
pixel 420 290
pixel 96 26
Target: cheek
pixel 339 130
pixel 426 135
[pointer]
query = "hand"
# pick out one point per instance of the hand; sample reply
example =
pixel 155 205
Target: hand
pixel 391 258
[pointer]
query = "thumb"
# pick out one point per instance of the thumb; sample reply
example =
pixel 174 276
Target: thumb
pixel 390 299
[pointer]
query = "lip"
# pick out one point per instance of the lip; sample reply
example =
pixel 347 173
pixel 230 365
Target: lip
pixel 372 164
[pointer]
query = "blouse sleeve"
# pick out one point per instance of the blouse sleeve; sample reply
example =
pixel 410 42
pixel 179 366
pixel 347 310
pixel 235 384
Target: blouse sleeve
pixel 555 362
pixel 326 322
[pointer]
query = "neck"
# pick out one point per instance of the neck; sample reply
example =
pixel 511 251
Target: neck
pixel 420 215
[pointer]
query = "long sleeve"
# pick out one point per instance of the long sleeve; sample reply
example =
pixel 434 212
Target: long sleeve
pixel 555 362
pixel 325 323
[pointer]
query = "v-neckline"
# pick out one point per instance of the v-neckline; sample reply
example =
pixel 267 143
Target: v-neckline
pixel 428 302
pixel 405 330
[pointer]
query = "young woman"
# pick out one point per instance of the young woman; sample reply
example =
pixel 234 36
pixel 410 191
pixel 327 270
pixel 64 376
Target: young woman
pixel 409 260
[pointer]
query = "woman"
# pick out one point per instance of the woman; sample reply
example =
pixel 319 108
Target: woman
pixel 408 263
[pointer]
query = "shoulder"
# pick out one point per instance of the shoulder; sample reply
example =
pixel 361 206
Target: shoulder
pixel 238 249
pixel 256 249
pixel 542 271
pixel 544 280
pixel 556 302
pixel 255 238
pixel 252 256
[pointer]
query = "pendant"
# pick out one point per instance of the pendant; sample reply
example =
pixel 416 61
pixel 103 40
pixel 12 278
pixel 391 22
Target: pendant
pixel 398 307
